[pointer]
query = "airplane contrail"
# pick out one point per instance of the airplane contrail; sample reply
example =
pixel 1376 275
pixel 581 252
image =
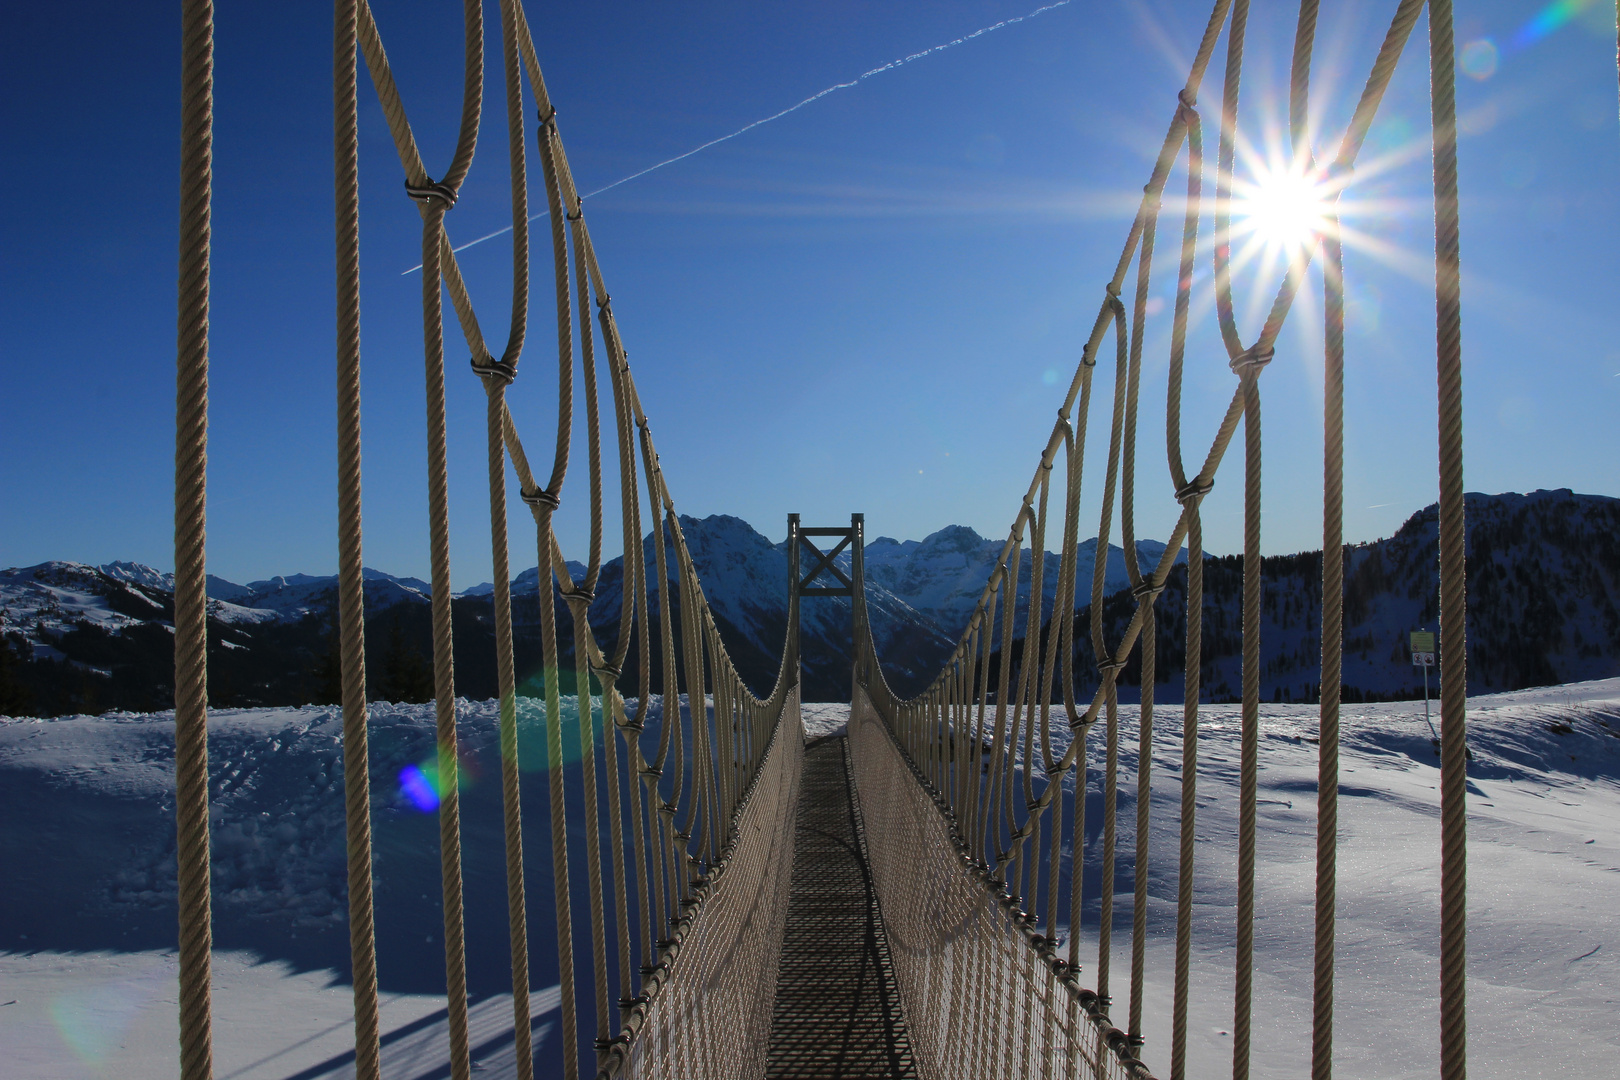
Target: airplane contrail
pixel 834 88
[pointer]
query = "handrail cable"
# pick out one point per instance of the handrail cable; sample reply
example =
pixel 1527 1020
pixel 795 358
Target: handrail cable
pixel 673 876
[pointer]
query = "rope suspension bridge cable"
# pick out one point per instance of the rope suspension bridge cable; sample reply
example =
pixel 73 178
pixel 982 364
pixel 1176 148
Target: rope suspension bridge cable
pixel 997 838
pixel 974 800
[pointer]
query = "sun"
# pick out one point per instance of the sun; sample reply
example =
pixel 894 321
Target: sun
pixel 1283 209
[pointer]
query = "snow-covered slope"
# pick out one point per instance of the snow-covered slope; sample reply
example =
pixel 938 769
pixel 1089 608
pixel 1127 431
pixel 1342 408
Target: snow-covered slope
pixel 87 918
pixel 298 595
pixel 40 602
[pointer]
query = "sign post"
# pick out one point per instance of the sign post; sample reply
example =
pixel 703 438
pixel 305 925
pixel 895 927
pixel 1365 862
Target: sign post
pixel 1423 657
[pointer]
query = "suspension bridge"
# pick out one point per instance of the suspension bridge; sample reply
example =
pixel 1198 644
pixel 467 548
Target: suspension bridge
pixel 900 899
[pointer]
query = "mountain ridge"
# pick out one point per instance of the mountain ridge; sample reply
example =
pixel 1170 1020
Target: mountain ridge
pixel 79 637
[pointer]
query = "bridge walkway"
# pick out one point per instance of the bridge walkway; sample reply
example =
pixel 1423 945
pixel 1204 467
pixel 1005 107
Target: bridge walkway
pixel 837 1005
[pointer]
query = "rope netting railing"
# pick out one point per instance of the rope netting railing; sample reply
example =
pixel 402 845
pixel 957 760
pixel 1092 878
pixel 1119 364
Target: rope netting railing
pixel 991 977
pixel 687 876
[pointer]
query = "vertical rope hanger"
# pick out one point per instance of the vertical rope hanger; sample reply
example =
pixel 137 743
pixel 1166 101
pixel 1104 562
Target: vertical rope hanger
pixel 435 200
pixel 351 586
pixel 1453 602
pixel 496 376
pixel 190 521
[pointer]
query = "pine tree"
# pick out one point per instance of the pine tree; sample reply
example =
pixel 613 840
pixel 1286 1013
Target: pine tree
pixel 15 698
pixel 406 675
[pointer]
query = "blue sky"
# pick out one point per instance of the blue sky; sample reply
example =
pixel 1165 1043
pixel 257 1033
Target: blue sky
pixel 872 304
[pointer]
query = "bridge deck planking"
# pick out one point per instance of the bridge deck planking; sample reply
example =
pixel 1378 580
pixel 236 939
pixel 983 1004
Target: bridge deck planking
pixel 837 1008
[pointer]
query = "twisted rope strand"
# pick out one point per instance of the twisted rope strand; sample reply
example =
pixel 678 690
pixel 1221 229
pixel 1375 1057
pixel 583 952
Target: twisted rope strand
pixel 1453 600
pixel 190 530
pixel 1327 781
pixel 351 588
pixel 444 689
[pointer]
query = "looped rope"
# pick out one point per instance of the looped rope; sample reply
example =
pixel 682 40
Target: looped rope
pixel 502 371
pixel 431 191
pixel 1186 108
pixel 1252 360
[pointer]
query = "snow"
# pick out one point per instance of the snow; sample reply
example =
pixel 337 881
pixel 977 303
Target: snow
pixel 109 1013
pixel 294 596
pixel 54 594
pixel 86 923
pixel 944 574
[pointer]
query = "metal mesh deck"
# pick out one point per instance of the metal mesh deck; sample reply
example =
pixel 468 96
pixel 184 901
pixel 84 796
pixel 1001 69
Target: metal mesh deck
pixel 837 1005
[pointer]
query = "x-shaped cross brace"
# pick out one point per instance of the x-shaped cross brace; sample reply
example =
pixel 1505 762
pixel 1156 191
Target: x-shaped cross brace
pixel 824 563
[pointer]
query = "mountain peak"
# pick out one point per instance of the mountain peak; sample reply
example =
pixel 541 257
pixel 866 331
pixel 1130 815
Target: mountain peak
pixel 957 538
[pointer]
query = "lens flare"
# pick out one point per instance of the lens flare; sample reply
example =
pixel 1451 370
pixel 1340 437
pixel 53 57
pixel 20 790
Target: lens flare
pixel 92 1021
pixel 1479 59
pixel 423 785
pixel 1548 19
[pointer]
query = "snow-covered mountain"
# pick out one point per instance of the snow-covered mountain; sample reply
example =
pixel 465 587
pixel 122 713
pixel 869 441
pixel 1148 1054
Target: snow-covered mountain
pixel 39 601
pixel 1544 607
pixel 45 600
pixel 920 593
pixel 943 575
pixel 745 580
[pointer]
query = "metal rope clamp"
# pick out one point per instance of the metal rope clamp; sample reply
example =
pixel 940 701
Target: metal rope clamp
pixel 1251 360
pixel 1147 590
pixel 1105 666
pixel 547 119
pixel 541 497
pixel 430 191
pixel 504 371
pixel 1194 491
